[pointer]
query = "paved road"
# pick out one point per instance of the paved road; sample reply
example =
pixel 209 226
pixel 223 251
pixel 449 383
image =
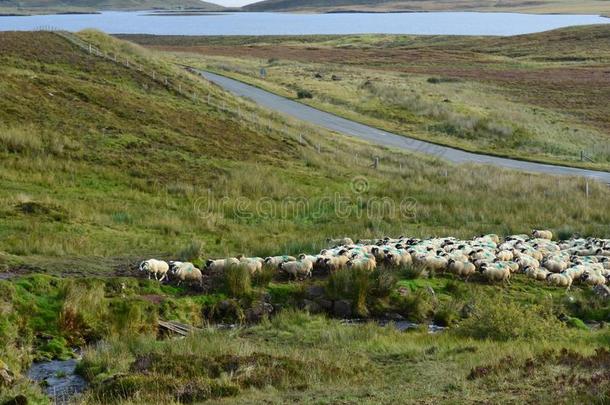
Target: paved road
pixel 378 136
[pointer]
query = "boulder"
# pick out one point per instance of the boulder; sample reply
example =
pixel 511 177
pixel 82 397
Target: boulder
pixel 258 312
pixel 327 305
pixel 342 309
pixel 18 400
pixel 311 306
pixel 315 291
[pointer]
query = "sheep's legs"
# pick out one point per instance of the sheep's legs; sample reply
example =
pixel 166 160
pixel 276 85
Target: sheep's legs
pixel 162 278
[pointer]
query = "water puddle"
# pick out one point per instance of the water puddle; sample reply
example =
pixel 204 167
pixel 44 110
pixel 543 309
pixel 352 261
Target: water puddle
pixel 58 379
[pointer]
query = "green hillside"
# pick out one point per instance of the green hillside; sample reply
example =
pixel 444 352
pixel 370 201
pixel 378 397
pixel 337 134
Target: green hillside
pixel 59 6
pixel 103 163
pixel 541 6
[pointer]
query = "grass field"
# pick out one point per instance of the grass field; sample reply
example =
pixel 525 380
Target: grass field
pixel 101 166
pixel 539 97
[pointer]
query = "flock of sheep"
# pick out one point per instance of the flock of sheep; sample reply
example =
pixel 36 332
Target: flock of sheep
pixel 583 260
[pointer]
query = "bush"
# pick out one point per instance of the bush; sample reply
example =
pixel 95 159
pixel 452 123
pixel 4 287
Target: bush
pixel 238 281
pixel 304 94
pixel 192 252
pixel 411 272
pixel 504 320
pixel 416 306
pixel 263 278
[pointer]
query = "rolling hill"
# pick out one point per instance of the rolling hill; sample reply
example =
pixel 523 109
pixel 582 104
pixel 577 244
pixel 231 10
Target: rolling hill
pixel 526 6
pixel 59 6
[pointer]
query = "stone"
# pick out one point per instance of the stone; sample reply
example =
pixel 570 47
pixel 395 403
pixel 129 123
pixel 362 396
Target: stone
pixel 258 312
pixel 18 400
pixel 315 291
pixel 404 291
pixel 325 304
pixel 602 291
pixel 311 306
pixel 342 309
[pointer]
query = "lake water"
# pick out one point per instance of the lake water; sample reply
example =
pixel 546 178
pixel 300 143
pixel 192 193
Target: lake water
pixel 453 23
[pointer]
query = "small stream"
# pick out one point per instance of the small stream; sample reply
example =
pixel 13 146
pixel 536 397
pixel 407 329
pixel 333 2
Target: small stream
pixel 400 325
pixel 58 379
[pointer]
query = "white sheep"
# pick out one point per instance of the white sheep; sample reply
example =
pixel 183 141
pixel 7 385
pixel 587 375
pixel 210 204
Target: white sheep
pixel 340 242
pixel 156 268
pixel 275 261
pixel 542 234
pixel 221 264
pixel 593 278
pixel 461 268
pixel 297 268
pixel 364 264
pixel 495 272
pixel 185 271
pixel 559 280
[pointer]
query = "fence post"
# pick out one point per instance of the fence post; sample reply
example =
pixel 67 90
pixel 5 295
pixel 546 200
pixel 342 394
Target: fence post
pixel 587 188
pixel 375 164
pixel 89 48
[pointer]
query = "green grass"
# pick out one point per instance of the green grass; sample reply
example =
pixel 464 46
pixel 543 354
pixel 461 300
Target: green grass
pixel 101 166
pixel 536 97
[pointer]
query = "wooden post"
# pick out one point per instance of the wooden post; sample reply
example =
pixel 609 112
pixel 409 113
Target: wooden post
pixel 587 188
pixel 375 164
pixel 89 48
pixel 318 148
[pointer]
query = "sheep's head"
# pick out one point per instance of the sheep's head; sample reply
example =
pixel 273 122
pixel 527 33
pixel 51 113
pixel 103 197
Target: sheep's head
pixel 349 263
pixel 144 266
pixel 209 263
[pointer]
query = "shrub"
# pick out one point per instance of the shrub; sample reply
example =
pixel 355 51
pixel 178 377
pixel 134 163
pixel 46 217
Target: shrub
pixel 304 94
pixel 238 281
pixel 191 252
pixel 416 306
pixel 503 320
pixel 263 278
pixel 411 272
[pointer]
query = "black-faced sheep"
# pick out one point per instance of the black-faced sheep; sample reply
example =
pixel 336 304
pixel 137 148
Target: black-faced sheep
pixel 156 268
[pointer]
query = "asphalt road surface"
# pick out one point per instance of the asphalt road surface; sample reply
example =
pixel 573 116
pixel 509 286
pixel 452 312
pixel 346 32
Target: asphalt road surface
pixel 378 136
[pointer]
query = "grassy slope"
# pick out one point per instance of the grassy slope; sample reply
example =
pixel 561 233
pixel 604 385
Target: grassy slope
pixel 524 6
pixel 130 169
pixel 101 165
pixel 540 97
pixel 58 6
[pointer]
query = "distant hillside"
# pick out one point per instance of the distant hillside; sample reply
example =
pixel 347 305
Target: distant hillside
pixel 35 6
pixel 526 6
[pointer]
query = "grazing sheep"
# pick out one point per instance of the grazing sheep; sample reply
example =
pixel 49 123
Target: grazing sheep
pixel 340 242
pixel 275 261
pixel 297 268
pixel 187 272
pixel 461 268
pixel 559 280
pixel 365 264
pixel 495 272
pixel 542 234
pixel 221 264
pixel 155 267
pixel 536 273
pixel 253 265
pixel 593 278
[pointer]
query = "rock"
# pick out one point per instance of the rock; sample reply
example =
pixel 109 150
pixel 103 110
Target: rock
pixel 342 309
pixel 18 400
pixel 315 291
pixel 311 306
pixel 258 312
pixel 335 78
pixel 602 291
pixel 393 316
pixel 318 75
pixel 325 304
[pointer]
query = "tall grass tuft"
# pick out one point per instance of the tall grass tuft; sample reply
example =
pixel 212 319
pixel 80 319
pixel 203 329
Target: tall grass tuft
pixel 238 281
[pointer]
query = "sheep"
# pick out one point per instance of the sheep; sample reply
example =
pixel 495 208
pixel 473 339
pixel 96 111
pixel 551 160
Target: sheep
pixel 536 273
pixel 495 272
pixel 559 280
pixel 593 278
pixel 365 264
pixel 461 268
pixel 340 242
pixel 275 261
pixel 187 272
pixel 221 264
pixel 253 265
pixel 398 258
pixel 297 268
pixel 155 267
pixel 542 234
pixel 504 255
pixel 554 265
